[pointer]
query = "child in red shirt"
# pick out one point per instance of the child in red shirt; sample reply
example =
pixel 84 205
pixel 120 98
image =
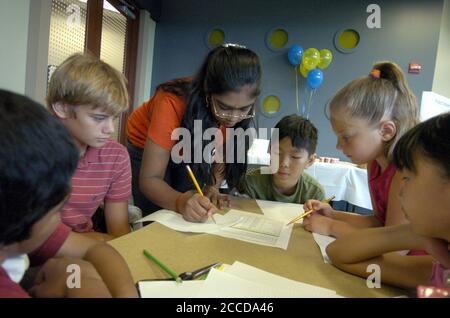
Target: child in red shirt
pixel 368 116
pixel 38 158
pixel 87 96
pixel 422 157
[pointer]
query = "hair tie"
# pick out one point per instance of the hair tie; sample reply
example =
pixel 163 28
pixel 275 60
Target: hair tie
pixel 225 45
pixel 375 73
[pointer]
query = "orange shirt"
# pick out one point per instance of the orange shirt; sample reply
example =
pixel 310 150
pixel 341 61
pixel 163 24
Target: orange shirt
pixel 156 119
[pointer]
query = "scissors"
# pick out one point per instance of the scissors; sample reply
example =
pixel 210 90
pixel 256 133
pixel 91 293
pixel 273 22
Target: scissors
pixel 199 272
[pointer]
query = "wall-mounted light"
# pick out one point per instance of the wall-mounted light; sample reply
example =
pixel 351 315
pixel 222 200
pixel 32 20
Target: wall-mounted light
pixel 106 5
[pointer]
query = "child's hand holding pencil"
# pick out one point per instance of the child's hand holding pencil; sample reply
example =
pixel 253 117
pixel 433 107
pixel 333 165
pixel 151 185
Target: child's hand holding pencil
pixel 319 219
pixel 322 207
pixel 310 206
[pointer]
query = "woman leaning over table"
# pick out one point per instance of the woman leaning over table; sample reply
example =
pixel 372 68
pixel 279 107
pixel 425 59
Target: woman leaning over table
pixel 221 95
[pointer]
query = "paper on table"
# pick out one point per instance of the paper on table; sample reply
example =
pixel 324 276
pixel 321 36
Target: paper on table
pixel 169 289
pixel 256 228
pixel 283 212
pixel 323 241
pixel 224 285
pixel 176 221
pixel 236 281
pixel 254 274
pixel 236 224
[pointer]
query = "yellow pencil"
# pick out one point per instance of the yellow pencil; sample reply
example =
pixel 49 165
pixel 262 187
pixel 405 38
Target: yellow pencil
pixel 191 174
pixel 309 212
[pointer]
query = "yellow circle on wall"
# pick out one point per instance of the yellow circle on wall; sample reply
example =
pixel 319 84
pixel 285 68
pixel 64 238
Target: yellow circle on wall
pixel 271 104
pixel 216 37
pixel 349 39
pixel 278 38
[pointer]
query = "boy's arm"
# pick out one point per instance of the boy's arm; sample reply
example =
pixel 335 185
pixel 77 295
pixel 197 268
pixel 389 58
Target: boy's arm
pixel 106 260
pixel 116 217
pixel 354 252
pixel 53 278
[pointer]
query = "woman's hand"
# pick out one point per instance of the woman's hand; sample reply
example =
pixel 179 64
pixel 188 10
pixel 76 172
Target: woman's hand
pixel 218 199
pixel 195 207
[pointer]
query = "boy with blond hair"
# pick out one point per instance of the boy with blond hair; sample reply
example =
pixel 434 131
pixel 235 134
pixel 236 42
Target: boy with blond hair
pixel 87 95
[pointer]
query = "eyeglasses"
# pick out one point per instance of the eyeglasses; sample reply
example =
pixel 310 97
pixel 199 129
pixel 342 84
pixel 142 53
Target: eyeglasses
pixel 223 114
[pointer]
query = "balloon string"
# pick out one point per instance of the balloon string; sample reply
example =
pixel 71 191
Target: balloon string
pixel 309 102
pixel 304 101
pixel 296 90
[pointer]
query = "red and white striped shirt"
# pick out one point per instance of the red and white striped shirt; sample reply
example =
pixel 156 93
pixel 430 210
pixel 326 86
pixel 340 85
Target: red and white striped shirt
pixel 103 174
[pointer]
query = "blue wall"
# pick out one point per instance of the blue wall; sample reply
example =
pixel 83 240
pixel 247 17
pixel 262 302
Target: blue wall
pixel 410 31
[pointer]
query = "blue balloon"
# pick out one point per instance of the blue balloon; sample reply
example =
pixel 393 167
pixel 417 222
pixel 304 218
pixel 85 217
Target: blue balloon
pixel 295 54
pixel 314 78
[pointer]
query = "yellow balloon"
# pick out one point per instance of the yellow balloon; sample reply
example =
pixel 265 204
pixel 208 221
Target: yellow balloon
pixel 308 65
pixel 311 57
pixel 303 71
pixel 325 59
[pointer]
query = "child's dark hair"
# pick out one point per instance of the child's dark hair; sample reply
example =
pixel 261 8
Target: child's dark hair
pixel 430 139
pixel 37 160
pixel 301 131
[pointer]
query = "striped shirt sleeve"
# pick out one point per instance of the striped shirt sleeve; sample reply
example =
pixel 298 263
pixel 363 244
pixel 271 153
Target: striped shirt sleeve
pixel 120 187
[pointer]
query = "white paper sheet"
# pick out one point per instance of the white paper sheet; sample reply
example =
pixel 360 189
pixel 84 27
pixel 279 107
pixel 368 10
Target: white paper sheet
pixel 254 274
pixel 176 222
pixel 283 212
pixel 169 289
pixel 220 284
pixel 234 281
pixel 323 241
pixel 258 229
pixel 236 224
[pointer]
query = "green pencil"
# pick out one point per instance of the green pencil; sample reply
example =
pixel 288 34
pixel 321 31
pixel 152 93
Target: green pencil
pixel 164 267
